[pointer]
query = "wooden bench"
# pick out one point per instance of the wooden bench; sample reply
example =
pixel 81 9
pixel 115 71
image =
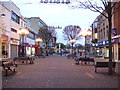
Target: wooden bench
pixel 23 59
pixel 82 59
pixel 8 66
pixel 103 65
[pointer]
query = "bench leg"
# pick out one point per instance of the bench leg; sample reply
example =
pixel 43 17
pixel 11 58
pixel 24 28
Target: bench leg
pixel 77 62
pixel 14 70
pixel 81 62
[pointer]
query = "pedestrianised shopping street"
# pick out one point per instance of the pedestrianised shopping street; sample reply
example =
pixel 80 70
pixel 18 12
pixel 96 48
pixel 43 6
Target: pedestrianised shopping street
pixel 57 71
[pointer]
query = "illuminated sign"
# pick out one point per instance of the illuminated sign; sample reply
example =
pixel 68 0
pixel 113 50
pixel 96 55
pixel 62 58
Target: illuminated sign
pixel 106 42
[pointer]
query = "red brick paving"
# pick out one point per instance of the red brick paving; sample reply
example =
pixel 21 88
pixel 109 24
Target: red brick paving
pixel 59 72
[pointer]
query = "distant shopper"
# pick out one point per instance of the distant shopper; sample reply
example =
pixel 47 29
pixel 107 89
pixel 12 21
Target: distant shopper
pixel 80 53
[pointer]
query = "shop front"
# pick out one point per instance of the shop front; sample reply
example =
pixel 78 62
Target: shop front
pixel 36 47
pixel 4 46
pixel 104 48
pixel 30 50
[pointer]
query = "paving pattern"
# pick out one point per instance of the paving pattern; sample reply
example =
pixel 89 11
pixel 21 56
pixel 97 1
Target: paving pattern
pixel 59 72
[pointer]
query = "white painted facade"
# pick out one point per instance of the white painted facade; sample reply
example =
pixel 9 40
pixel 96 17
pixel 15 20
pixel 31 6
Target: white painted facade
pixel 7 7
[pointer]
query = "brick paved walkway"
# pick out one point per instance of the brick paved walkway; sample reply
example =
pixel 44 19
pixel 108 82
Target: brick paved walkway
pixel 59 72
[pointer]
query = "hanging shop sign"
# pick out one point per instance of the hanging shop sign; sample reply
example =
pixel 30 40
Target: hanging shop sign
pixel 114 31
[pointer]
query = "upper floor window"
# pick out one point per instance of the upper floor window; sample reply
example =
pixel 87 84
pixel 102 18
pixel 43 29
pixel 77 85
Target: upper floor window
pixel 95 30
pixel 40 24
pixel 13 30
pixel 21 24
pixel 15 17
pixel 31 35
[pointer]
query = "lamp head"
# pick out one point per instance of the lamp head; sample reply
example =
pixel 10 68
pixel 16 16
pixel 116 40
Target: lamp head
pixel 39 40
pixel 23 31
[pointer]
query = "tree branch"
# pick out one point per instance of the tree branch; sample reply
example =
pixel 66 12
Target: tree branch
pixel 97 10
pixel 115 9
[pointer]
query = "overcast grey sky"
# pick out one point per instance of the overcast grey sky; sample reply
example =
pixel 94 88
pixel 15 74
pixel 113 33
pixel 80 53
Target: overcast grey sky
pixel 56 14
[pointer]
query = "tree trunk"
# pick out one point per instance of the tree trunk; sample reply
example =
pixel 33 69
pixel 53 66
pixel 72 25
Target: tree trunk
pixel 72 48
pixel 109 38
pixel 46 49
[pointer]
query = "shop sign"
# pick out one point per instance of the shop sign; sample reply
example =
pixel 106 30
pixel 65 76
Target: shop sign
pixel 35 45
pixel 14 41
pixel 114 31
pixel 25 44
pixel 119 40
pixel 106 42
pixel 100 43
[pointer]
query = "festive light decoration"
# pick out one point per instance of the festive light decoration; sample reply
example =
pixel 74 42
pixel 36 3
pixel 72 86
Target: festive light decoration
pixel 56 1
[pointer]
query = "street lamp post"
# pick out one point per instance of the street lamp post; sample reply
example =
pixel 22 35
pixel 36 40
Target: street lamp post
pixel 86 34
pixel 23 32
pixel 38 40
pixel 72 41
pixel 1 31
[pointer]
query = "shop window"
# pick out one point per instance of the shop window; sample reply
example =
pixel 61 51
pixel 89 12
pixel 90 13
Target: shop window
pixel 95 30
pixel 31 35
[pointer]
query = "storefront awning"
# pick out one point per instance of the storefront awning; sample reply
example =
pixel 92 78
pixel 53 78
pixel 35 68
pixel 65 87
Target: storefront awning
pixel 35 45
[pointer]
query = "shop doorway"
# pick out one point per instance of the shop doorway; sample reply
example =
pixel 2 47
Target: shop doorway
pixel 14 51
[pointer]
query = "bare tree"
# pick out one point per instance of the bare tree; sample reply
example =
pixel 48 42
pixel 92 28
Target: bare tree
pixel 52 31
pixel 46 37
pixel 105 8
pixel 71 32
